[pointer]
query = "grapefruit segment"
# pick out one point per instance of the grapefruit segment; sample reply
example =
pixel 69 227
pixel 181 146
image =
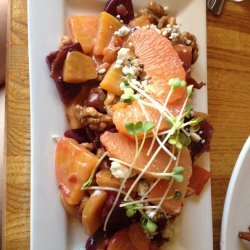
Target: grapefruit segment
pixel 106 28
pixel 133 113
pixel 83 30
pixel 123 148
pixel 161 62
pixel 174 206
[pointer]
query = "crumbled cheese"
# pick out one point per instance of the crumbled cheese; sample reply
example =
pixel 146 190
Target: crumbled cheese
pixel 188 42
pixel 122 86
pixel 123 31
pixel 119 171
pixel 195 137
pixel 102 71
pixel 132 70
pixel 130 44
pixel 164 32
pixel 173 32
pixel 144 83
pixel 142 187
pixel 173 35
pixel 203 141
pixel 135 62
pixel 166 9
pixel 200 132
pixel 125 54
pixel 118 16
pixel 150 89
pixel 55 138
pixel 151 214
pixel 135 82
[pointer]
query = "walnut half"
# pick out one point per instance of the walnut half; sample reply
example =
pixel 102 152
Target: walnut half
pixel 89 116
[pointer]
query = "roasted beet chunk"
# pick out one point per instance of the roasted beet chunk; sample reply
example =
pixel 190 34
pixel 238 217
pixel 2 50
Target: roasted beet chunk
pixel 77 134
pixel 67 91
pixel 96 99
pixel 55 61
pixel 98 241
pixel 94 137
pixel 118 219
pixel 85 135
pixel 205 132
pixel 123 8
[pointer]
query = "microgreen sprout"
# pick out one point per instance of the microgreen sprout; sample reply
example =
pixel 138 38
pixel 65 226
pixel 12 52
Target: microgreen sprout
pixel 184 139
pixel 179 139
pixel 148 225
pixel 139 127
pixel 89 181
pixel 131 210
pixel 190 90
pixel 176 82
pixel 194 122
pixel 132 129
pixel 128 95
pixel 189 108
pixel 176 174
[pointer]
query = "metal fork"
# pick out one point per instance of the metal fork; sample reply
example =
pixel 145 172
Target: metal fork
pixel 215 6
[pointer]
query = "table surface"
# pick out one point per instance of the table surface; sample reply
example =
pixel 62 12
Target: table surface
pixel 228 95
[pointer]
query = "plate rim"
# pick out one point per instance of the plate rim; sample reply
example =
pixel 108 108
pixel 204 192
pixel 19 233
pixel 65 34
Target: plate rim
pixel 230 191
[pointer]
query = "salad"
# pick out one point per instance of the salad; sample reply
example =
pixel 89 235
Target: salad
pixel 126 164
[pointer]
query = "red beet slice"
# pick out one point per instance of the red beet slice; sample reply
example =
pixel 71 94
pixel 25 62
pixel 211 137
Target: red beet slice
pixel 55 61
pixel 96 99
pixel 205 132
pixel 124 8
pixel 199 178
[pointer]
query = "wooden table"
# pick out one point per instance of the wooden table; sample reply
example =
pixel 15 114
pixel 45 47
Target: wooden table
pixel 229 102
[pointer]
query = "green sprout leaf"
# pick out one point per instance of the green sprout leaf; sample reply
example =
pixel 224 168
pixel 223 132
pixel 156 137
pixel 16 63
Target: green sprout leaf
pixel 190 90
pixel 176 83
pixel 178 145
pixel 169 122
pixel 178 178
pixel 195 121
pixel 148 225
pixel 189 108
pixel 138 127
pixel 147 126
pixel 184 140
pixel 130 127
pixel 131 210
pixel 128 95
pixel 178 170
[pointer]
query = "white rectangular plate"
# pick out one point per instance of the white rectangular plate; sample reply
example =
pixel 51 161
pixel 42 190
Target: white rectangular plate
pixel 50 228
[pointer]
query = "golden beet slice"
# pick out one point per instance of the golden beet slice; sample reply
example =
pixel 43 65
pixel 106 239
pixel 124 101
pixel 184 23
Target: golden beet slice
pixel 91 214
pixel 78 68
pixel 84 30
pixel 112 80
pixel 107 26
pixel 74 164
